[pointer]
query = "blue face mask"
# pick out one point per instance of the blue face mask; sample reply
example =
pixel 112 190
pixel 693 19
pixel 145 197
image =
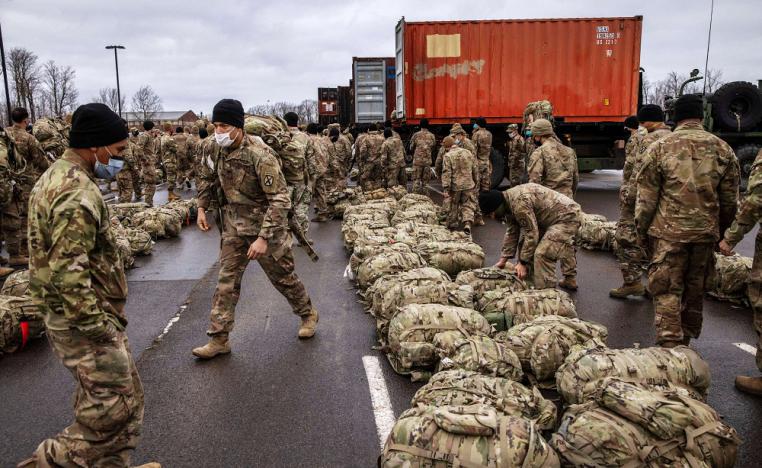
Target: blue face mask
pixel 476 126
pixel 110 170
pixel 528 133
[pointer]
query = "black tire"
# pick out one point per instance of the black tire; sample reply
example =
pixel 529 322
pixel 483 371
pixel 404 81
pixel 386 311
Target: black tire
pixel 746 155
pixel 498 168
pixel 737 106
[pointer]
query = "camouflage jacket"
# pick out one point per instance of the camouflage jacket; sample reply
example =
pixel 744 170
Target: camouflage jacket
pixel 75 269
pixel 422 145
pixel 532 209
pixel 256 199
pixel 6 185
pixel 483 141
pixel 343 147
pixel 317 158
pixel 460 170
pixel 629 188
pixel 168 149
pixel 181 143
pixel 131 158
pixel 335 162
pixel 750 209
pixel 370 151
pixel 630 150
pixel 516 148
pixel 554 166
pixel 146 144
pixel 687 189
pixel 30 150
pixel 393 152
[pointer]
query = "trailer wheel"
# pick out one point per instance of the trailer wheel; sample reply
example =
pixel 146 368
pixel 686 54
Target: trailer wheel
pixel 737 106
pixel 498 168
pixel 746 155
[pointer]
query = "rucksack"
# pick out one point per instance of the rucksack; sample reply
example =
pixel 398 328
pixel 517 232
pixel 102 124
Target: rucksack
pixel 505 308
pixel 728 279
pixel 543 344
pixel 465 436
pixel 21 320
pixel 508 397
pixel 386 263
pixel 477 353
pixel 16 284
pixel 596 233
pixel 487 279
pixel 53 135
pixel 362 251
pixel 452 257
pixel 414 233
pixel 421 214
pixel 411 200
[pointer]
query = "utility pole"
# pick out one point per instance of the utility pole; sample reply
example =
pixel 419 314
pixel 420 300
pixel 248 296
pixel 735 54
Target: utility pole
pixel 5 76
pixel 118 91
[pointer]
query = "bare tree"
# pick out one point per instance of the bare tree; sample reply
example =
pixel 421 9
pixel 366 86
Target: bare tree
pixel 24 73
pixel 670 86
pixel 60 93
pixel 110 97
pixel 713 80
pixel 306 110
pixel 146 102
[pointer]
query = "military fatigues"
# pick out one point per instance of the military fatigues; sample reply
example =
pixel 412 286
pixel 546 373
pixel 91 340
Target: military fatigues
pixel 633 260
pixel 422 144
pixel 333 177
pixel 31 162
pixel 147 149
pixel 300 173
pixel 460 173
pixel 6 184
pixel 194 142
pixel 516 160
pixel 183 164
pixel 394 155
pixel 547 223
pixel 687 192
pixel 128 179
pixel 76 273
pixel 256 204
pixel 749 214
pixel 168 152
pixel 482 139
pixel 324 150
pixel 371 162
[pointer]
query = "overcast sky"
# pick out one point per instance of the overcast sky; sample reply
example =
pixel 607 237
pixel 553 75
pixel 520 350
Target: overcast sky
pixel 195 52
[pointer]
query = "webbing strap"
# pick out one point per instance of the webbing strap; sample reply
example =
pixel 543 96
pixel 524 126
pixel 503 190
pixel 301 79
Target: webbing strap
pixel 433 455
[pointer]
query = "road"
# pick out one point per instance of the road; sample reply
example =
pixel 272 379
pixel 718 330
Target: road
pixel 279 401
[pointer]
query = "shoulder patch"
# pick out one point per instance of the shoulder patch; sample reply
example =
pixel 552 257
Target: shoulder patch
pixel 268 180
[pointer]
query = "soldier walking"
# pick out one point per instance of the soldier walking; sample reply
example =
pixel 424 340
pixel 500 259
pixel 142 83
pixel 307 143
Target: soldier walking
pixel 254 204
pixel 460 174
pixel 147 147
pixel 687 192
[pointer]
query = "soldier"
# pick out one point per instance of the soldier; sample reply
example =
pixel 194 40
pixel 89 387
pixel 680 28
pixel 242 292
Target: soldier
pixel 128 179
pixel 632 127
pixel 6 186
pixel 546 222
pixel 183 165
pixel 633 260
pixel 335 170
pixel 147 147
pixel 552 164
pixel 301 166
pixel 343 147
pixel 460 174
pixel 169 156
pixel 515 156
pixel 31 162
pixel 193 148
pixel 77 276
pixel 482 139
pixel 254 202
pixel 687 192
pixel 422 145
pixel 394 155
pixel 371 160
pixel 462 140
pixel 749 214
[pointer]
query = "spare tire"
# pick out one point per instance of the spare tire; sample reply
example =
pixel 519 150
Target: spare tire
pixel 737 106
pixel 746 155
pixel 498 168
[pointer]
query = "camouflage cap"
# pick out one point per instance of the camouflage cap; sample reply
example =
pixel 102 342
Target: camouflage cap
pixel 512 127
pixel 457 130
pixel 448 141
pixel 194 129
pixel 210 128
pixel 542 127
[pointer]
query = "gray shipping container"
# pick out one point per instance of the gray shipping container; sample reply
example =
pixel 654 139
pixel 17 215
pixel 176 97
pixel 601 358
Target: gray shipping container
pixel 371 83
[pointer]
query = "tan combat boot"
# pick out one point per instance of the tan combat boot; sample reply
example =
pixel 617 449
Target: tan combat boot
pixel 217 345
pixel 569 282
pixel 628 289
pixel 309 324
pixel 18 260
pixel 149 465
pixel 172 196
pixel 752 385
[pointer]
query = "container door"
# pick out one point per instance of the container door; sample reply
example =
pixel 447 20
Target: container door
pixel 370 91
pixel 399 43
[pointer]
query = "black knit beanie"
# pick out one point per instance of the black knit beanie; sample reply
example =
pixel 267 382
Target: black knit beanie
pixel 490 201
pixel 147 125
pixel 689 106
pixel 94 125
pixel 631 122
pixel 650 113
pixel 228 111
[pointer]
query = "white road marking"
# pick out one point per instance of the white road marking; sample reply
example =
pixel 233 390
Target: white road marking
pixel 379 396
pixel 746 347
pixel 175 318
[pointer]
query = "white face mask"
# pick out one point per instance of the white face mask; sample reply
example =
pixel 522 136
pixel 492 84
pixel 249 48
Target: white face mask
pixel 223 139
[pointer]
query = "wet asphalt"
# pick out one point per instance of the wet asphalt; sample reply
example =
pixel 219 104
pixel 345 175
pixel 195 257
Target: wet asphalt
pixel 279 401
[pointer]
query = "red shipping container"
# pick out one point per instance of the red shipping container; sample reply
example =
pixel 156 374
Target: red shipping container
pixel 457 70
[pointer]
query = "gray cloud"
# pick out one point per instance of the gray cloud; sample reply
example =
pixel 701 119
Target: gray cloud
pixel 196 52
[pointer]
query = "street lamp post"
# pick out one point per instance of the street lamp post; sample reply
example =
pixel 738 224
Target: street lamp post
pixel 118 91
pixel 5 76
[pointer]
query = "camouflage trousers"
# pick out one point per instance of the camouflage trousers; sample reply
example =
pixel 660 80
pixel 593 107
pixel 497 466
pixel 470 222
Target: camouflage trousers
pixel 108 407
pixel 755 295
pixel 515 169
pixel 323 187
pixel 233 263
pixel 127 183
pixel 485 174
pixel 676 278
pixel 396 175
pixel 421 178
pixel 170 169
pixel 460 208
pixel 149 181
pixel 555 246
pixel 14 226
pixel 632 259
pixel 301 197
pixel 371 180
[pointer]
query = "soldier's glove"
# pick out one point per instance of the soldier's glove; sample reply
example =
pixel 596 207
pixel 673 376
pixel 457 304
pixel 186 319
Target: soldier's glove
pixel 103 332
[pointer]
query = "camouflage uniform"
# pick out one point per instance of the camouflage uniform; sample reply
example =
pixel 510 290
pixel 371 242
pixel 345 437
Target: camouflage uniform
pixel 300 172
pixel 394 155
pixel 483 140
pixel 6 184
pixel 516 157
pixel 128 179
pixel 633 260
pixel 77 274
pixel 422 144
pixel 547 222
pixel 256 204
pixel 554 166
pixel 460 174
pixel 146 146
pixel 31 162
pixel 194 142
pixel 371 161
pixel 749 214
pixel 182 141
pixel 343 147
pixel 687 192
pixel 332 179
pixel 169 153
pixel 324 151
